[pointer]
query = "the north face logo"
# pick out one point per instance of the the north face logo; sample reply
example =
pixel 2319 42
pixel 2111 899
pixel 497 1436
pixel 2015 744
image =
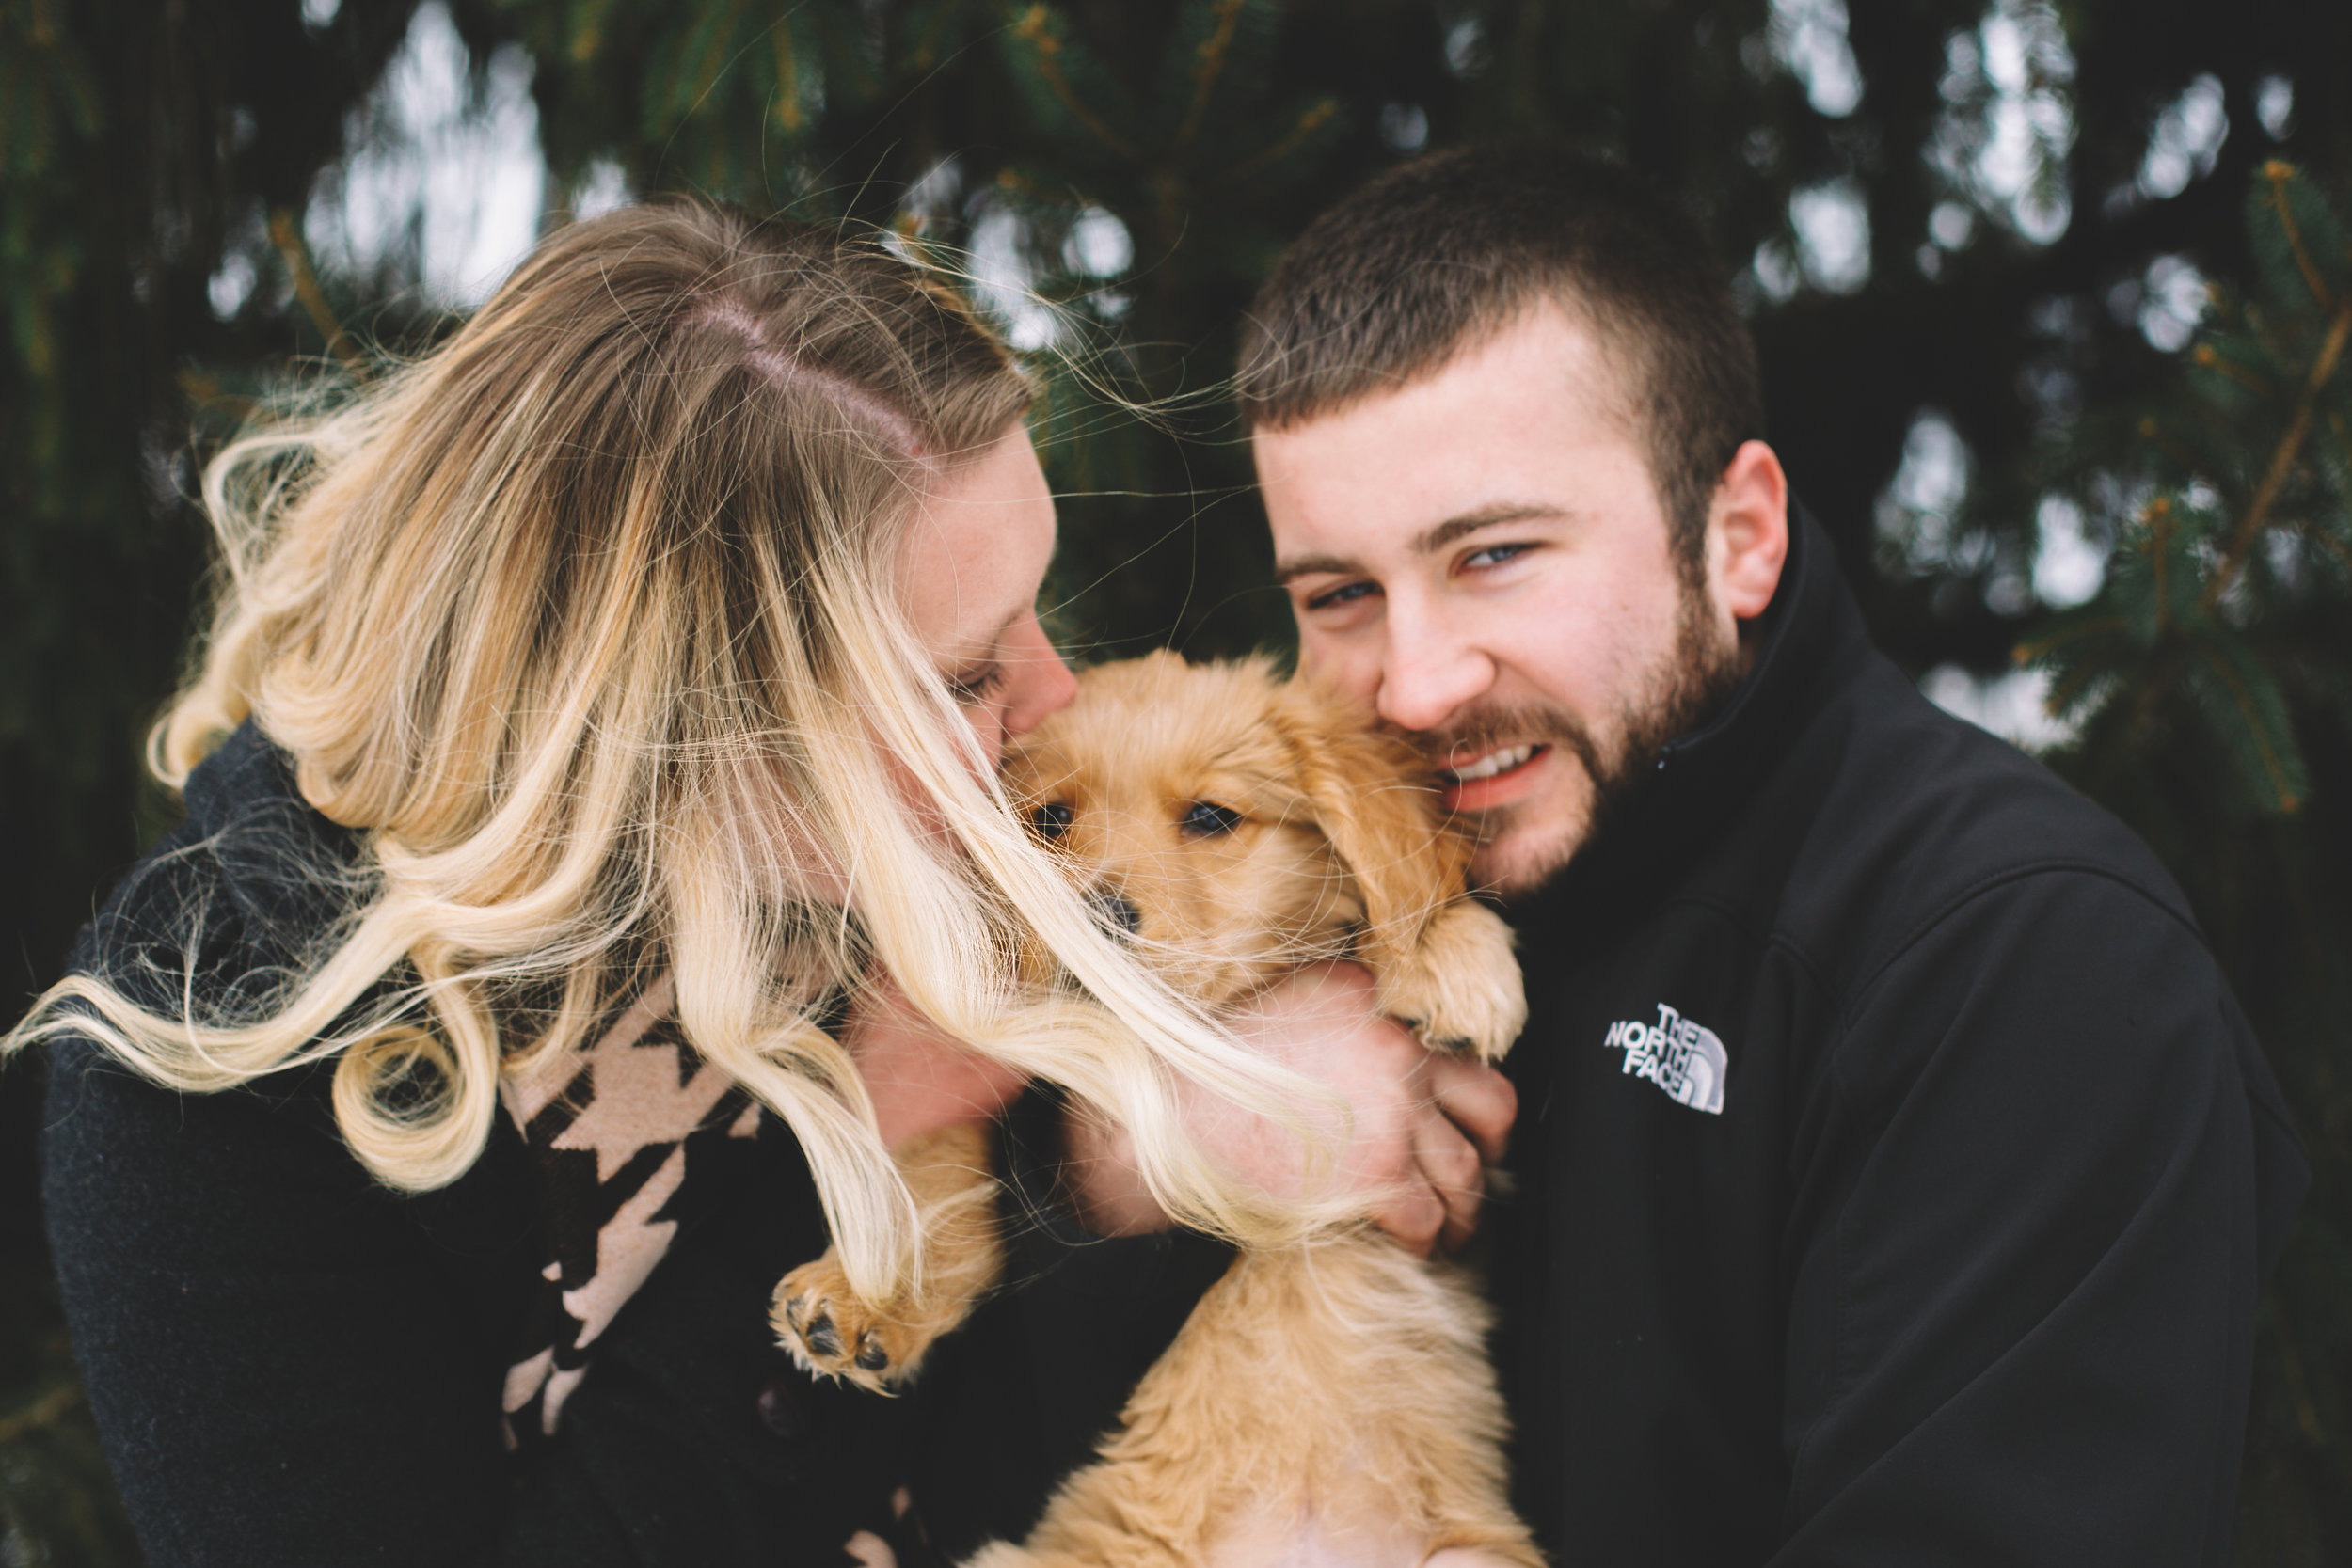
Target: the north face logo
pixel 1681 1057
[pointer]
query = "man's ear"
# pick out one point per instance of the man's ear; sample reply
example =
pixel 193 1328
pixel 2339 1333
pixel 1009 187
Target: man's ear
pixel 1747 532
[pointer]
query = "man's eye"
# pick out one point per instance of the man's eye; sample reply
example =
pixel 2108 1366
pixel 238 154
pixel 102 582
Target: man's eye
pixel 1050 820
pixel 1345 594
pixel 1207 819
pixel 1494 555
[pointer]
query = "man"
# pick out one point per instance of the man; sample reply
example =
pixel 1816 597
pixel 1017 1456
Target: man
pixel 1894 1174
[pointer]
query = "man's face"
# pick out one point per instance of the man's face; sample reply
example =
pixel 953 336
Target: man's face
pixel 1481 555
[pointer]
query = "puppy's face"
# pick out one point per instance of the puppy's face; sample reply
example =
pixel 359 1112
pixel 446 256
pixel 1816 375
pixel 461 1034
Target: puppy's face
pixel 1174 795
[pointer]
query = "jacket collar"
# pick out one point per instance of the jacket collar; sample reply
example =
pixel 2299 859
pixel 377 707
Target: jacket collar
pixel 1811 633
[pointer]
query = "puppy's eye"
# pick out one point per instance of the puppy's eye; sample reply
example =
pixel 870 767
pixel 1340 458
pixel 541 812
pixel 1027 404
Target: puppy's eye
pixel 1050 820
pixel 1207 819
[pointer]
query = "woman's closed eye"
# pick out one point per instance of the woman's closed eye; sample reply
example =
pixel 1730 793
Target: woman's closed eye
pixel 975 687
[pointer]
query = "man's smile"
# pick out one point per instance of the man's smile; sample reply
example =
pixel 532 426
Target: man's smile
pixel 1490 778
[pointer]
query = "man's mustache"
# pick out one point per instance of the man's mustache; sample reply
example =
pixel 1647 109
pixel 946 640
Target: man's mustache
pixel 1488 729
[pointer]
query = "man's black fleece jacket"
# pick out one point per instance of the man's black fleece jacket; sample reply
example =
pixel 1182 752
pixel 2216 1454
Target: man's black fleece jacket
pixel 1894 1175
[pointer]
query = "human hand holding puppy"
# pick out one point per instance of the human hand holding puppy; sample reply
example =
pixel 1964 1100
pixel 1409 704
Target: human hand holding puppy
pixel 1424 1127
pixel 920 1078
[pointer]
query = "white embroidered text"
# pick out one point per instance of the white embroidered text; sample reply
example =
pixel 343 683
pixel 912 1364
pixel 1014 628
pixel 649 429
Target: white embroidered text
pixel 1681 1057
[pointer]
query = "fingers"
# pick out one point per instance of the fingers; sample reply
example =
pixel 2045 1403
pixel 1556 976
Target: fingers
pixel 1462 1128
pixel 918 1078
pixel 1105 1182
pixel 1423 1127
pixel 1414 1214
pixel 1477 1100
pixel 870 1550
pixel 1434 1203
pixel 1453 1174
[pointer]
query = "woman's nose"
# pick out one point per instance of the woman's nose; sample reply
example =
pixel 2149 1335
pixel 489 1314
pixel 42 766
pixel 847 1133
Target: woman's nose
pixel 1039 683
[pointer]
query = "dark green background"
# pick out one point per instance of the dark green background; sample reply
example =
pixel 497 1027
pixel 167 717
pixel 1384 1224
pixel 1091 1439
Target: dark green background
pixel 146 144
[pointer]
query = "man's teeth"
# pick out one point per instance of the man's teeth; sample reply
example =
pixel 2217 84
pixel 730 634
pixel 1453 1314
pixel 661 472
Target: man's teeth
pixel 1493 763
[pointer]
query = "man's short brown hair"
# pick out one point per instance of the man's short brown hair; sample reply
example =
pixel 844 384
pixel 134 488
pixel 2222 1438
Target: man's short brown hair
pixel 1433 256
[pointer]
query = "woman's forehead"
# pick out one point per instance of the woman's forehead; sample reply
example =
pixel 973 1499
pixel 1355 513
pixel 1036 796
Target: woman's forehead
pixel 976 551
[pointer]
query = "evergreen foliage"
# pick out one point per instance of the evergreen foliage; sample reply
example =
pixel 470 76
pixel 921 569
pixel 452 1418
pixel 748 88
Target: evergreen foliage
pixel 2212 681
pixel 1983 223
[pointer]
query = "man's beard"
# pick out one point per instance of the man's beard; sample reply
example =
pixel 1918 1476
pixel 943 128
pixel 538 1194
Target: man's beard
pixel 1687 688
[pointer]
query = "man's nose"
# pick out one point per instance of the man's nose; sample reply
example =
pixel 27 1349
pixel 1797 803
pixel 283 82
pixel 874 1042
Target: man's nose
pixel 1428 671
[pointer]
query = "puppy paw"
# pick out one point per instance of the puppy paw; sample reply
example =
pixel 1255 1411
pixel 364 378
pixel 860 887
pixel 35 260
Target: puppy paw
pixel 1459 988
pixel 831 1333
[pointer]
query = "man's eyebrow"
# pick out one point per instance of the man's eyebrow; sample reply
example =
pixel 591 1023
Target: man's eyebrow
pixel 1315 565
pixel 1445 533
pixel 1427 543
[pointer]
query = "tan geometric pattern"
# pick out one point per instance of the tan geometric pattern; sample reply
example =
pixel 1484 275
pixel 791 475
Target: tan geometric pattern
pixel 611 1129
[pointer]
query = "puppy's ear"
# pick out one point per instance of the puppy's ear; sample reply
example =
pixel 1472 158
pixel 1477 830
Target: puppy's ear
pixel 1379 804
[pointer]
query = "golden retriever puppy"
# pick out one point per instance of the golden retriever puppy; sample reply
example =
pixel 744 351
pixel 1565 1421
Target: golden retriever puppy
pixel 1325 1402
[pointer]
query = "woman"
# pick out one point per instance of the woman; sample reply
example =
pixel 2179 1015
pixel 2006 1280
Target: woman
pixel 596 712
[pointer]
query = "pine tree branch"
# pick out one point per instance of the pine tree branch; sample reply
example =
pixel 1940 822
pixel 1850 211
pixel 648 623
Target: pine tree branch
pixel 2213 359
pixel 205 392
pixel 2252 712
pixel 1317 112
pixel 2299 1387
pixel 2282 461
pixel 2154 433
pixel 1214 52
pixel 715 55
pixel 2279 172
pixel 926 53
pixel 588 29
pixel 2026 653
pixel 46 1411
pixel 2158 514
pixel 1031 29
pixel 288 239
pixel 2307 1415
pixel 2327 541
pixel 2068 689
pixel 788 78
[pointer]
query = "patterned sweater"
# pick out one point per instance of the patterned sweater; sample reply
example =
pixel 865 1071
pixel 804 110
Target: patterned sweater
pixel 290 1364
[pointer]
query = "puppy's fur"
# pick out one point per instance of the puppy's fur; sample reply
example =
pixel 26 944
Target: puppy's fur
pixel 1324 1402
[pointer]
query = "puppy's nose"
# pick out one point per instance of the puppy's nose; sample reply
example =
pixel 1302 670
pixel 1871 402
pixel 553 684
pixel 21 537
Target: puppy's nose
pixel 1116 909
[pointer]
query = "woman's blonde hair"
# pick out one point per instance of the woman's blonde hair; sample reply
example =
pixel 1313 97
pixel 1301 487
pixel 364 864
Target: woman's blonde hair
pixel 586 621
